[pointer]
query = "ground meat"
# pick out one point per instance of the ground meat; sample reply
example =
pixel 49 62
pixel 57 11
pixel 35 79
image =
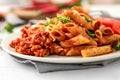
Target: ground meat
pixel 32 42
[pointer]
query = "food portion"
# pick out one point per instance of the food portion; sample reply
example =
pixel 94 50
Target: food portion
pixel 72 33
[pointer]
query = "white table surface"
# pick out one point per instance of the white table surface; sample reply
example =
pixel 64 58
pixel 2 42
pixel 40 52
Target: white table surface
pixel 11 70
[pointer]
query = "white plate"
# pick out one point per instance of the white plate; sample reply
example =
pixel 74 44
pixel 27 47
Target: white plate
pixel 54 59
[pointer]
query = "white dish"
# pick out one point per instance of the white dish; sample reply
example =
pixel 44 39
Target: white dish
pixel 54 59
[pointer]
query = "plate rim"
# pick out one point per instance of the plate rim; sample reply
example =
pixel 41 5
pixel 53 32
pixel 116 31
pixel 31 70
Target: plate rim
pixel 57 59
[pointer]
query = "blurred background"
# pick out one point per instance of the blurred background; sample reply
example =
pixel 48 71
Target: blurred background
pixel 91 1
pixel 19 12
pixel 33 9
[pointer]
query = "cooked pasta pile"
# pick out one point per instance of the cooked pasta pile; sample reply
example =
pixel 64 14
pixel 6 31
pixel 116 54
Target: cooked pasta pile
pixel 72 33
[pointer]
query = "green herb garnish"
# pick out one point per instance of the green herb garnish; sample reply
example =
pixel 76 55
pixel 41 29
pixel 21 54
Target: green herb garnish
pixel 63 19
pixel 90 33
pixel 117 46
pixel 9 27
pixel 87 19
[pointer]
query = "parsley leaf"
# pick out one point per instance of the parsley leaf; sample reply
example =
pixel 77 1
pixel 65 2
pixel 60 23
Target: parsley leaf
pixel 90 33
pixel 117 46
pixel 87 19
pixel 63 19
pixel 9 27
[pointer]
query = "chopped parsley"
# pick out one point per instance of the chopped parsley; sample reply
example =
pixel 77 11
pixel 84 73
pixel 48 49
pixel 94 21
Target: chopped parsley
pixel 63 19
pixel 9 27
pixel 90 33
pixel 87 19
pixel 117 46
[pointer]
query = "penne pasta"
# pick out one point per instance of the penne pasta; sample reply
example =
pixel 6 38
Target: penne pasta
pixel 98 34
pixel 96 24
pixel 69 35
pixel 106 30
pixel 108 39
pixel 56 49
pixel 76 51
pixel 96 51
pixel 81 10
pixel 71 28
pixel 92 41
pixel 77 40
pixel 58 35
pixel 63 53
pixel 75 16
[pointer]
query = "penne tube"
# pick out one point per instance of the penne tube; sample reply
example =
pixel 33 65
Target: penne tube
pixel 92 41
pixel 63 53
pixel 56 49
pixel 84 15
pixel 81 10
pixel 69 35
pixel 77 40
pixel 58 35
pixel 108 39
pixel 75 16
pixel 72 30
pixel 96 24
pixel 76 51
pixel 106 30
pixel 80 20
pixel 96 51
pixel 98 34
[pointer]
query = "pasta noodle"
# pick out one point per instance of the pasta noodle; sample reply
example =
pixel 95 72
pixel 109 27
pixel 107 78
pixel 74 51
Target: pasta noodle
pixel 96 24
pixel 75 16
pixel 108 39
pixel 92 41
pixel 106 30
pixel 77 40
pixel 56 49
pixel 81 10
pixel 71 30
pixel 60 36
pixel 76 51
pixel 96 51
pixel 98 34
